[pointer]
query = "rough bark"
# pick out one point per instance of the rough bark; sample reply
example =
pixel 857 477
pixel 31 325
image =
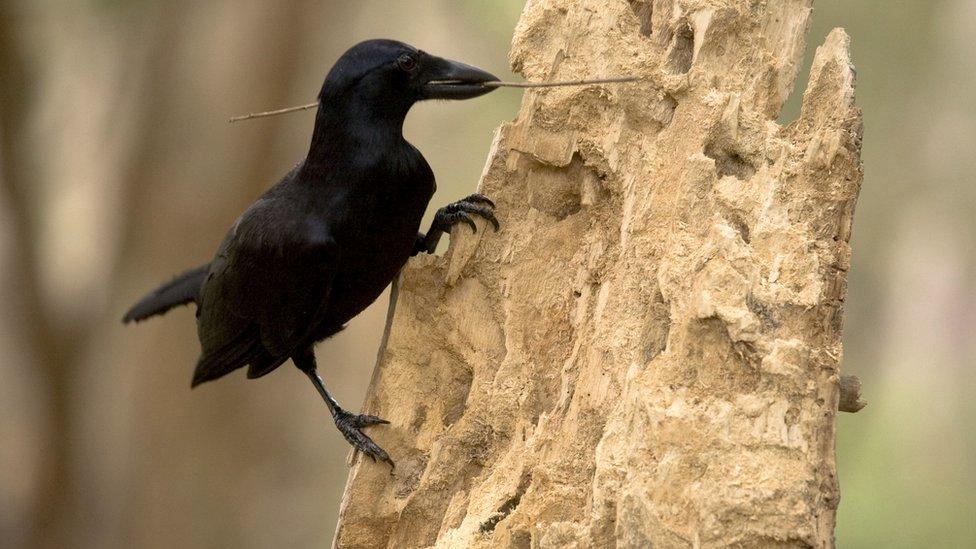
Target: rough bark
pixel 647 354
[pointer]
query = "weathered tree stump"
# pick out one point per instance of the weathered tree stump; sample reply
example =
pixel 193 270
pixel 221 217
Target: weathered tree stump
pixel 647 353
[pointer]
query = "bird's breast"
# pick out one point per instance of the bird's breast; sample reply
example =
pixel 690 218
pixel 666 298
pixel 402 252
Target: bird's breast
pixel 376 249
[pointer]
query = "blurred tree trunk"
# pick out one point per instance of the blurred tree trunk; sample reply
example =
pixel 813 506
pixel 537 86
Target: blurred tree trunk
pixel 648 353
pixel 49 340
pixel 101 479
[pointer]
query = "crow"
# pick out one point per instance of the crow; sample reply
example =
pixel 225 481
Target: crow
pixel 317 248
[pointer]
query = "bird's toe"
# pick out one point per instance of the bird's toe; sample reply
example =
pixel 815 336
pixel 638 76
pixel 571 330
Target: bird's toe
pixel 365 420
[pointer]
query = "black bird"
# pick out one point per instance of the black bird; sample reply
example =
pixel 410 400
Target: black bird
pixel 317 248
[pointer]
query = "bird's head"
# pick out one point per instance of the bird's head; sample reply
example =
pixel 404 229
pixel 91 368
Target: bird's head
pixel 391 75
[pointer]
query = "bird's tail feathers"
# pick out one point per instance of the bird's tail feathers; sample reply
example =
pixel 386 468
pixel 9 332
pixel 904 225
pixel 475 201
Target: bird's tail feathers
pixel 183 289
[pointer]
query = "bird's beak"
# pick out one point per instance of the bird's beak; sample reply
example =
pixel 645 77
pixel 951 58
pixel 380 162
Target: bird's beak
pixel 455 80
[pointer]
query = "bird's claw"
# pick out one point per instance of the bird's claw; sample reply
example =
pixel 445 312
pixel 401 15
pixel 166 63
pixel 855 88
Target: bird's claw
pixel 350 426
pixel 461 211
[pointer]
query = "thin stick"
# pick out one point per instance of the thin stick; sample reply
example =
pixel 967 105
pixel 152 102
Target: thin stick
pixel 275 112
pixel 493 84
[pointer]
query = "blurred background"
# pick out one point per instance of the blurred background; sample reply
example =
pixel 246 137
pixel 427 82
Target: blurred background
pixel 118 169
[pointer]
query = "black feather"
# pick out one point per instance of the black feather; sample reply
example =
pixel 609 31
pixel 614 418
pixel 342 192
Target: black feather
pixel 182 290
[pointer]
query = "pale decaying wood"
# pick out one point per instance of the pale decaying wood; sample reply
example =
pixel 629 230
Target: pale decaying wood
pixel 647 353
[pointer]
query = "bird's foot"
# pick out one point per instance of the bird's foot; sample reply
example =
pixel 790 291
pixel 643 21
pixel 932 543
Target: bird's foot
pixel 350 426
pixel 462 210
pixel 452 214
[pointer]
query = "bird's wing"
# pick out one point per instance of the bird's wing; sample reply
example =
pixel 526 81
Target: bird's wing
pixel 266 289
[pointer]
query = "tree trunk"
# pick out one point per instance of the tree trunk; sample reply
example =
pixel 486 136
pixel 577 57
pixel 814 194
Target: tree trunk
pixel 647 353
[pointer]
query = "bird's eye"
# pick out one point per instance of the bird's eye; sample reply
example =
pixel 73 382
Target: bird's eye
pixel 407 62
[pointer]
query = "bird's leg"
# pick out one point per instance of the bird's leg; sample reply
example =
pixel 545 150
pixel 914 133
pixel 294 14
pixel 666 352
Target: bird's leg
pixel 349 424
pixel 452 214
